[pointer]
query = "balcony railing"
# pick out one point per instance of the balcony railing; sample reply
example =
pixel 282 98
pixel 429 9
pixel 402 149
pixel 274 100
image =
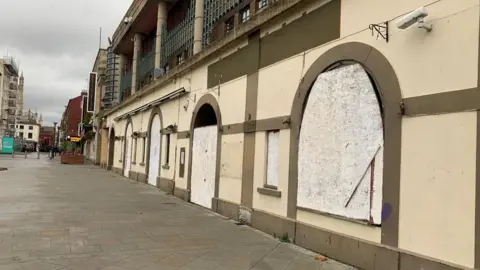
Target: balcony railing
pixel 146 64
pixel 125 83
pixel 180 38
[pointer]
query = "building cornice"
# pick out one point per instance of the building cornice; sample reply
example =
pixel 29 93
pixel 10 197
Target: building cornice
pixel 229 40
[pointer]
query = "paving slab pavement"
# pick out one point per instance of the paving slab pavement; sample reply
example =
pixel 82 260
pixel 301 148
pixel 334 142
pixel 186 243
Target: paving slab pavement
pixel 67 217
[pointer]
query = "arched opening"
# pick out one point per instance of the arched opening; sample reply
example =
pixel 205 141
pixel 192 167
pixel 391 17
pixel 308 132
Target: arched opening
pixel 155 149
pixel 340 147
pixel 381 73
pixel 127 160
pixel 205 152
pixel 111 149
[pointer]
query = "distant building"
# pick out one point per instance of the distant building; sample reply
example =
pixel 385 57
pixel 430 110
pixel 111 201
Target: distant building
pixel 72 117
pixel 11 98
pixel 28 130
pixel 46 137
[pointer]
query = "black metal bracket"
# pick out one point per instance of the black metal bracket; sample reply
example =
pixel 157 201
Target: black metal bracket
pixel 381 29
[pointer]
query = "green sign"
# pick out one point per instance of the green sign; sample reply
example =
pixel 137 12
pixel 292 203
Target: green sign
pixel 7 145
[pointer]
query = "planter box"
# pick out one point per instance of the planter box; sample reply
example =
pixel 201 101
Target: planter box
pixel 72 159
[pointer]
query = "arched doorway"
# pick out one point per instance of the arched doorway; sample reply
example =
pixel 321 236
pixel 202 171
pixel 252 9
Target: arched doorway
pixel 382 76
pixel 205 152
pixel 155 147
pixel 111 149
pixel 127 161
pixel 340 147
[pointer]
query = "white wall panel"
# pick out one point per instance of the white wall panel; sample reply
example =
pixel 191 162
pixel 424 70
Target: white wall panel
pixel 204 154
pixel 273 142
pixel 341 133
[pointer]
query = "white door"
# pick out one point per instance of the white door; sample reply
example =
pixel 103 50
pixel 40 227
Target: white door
pixel 155 150
pixel 128 151
pixel 204 160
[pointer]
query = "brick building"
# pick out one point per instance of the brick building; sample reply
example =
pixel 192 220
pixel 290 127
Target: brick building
pixel 72 117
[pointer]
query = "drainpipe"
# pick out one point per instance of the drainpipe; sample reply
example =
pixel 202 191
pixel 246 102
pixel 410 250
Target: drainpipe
pixel 198 27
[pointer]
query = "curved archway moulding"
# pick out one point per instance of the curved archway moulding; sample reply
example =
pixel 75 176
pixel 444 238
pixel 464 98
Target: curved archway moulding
pixel 205 100
pixel 155 111
pixel 111 148
pixel 386 82
pixel 127 124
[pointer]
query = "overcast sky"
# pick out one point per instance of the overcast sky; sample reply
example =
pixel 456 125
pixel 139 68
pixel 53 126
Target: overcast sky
pixel 56 42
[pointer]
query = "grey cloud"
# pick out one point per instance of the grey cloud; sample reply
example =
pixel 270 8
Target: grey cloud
pixel 56 42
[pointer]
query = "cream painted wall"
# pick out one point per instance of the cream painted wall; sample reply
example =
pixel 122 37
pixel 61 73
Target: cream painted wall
pixel 170 171
pixel 413 54
pixel 181 182
pixel 281 81
pixel 138 121
pixel 263 202
pixel 232 100
pixel 437 188
pixel 118 155
pixel 231 165
pixel 457 69
pixel 104 146
pixel 369 233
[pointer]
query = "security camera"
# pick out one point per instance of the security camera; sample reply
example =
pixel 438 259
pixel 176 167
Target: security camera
pixel 127 20
pixel 414 17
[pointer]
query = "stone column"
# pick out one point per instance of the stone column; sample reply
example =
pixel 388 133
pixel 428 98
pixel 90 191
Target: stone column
pixel 137 46
pixel 161 21
pixel 198 27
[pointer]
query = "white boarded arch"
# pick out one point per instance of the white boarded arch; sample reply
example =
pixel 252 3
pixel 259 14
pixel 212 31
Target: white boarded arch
pixel 204 160
pixel 128 150
pixel 340 158
pixel 155 150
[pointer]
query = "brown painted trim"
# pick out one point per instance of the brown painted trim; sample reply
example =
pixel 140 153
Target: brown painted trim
pixel 269 192
pixel 388 86
pixel 207 99
pixel 129 121
pixel 141 177
pixel 350 250
pixel 281 122
pixel 446 102
pixel 226 208
pixel 274 123
pixel 167 185
pixel 251 104
pixel 183 135
pixel 166 131
pixel 155 111
pixel 361 253
pixel 111 148
pixel 133 175
pixel 117 170
pixel 142 134
pixel 318 26
pixel 477 173
pixel 236 128
pixel 182 194
pixel 273 224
